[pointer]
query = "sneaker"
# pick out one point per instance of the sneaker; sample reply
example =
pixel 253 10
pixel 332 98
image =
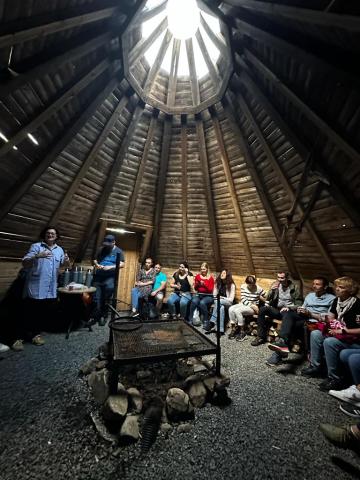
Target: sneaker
pixel 349 395
pixel 279 346
pixel 18 345
pixel 310 371
pixel 350 410
pixel 3 348
pixel 38 340
pixel 342 437
pixel 258 341
pixel 135 314
pixel 232 335
pixel 331 384
pixel 274 360
pixel 241 337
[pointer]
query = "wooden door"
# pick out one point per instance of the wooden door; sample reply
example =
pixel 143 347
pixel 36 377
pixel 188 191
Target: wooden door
pixel 130 244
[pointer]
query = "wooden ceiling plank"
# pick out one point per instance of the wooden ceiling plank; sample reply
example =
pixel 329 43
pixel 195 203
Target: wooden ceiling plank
pixel 173 73
pixel 232 190
pixel 208 191
pixel 194 84
pixel 286 185
pixel 260 187
pixel 54 63
pixel 88 161
pixel 332 135
pixel 161 184
pixel 47 27
pixel 30 127
pixel 157 63
pixel 141 170
pixel 143 44
pixel 300 14
pixel 184 187
pixel 33 173
pixel 109 184
pixel 336 190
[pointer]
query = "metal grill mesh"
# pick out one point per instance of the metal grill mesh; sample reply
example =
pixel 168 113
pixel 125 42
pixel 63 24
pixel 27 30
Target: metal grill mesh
pixel 159 339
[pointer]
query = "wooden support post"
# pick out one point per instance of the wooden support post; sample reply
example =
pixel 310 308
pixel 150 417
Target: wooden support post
pixel 141 170
pixel 260 188
pixel 146 244
pixel 337 190
pixel 30 127
pixel 173 73
pixel 54 63
pixel 88 161
pixel 286 184
pixel 35 170
pixel 208 191
pixel 233 195
pixel 109 183
pixel 160 190
pixel 184 186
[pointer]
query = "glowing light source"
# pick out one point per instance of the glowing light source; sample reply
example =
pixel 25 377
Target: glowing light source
pixel 183 18
pixel 2 136
pixel 33 139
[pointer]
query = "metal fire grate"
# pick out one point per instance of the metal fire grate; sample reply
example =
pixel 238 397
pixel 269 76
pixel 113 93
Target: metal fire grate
pixel 157 340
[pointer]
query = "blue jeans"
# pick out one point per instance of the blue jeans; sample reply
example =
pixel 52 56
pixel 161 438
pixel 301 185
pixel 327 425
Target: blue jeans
pixel 224 302
pixel 201 302
pixel 351 358
pixel 182 300
pixel 103 294
pixel 331 347
pixel 135 295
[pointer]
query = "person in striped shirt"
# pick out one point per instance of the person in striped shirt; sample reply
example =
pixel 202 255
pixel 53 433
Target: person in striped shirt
pixel 251 295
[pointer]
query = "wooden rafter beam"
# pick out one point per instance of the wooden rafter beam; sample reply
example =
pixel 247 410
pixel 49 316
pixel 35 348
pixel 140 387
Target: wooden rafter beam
pixel 208 191
pixel 271 40
pixel 88 161
pixel 145 43
pixel 216 39
pixel 194 84
pixel 157 63
pixel 286 184
pixel 337 190
pixel 109 184
pixel 173 73
pixel 184 186
pixel 333 136
pixel 30 127
pixel 299 14
pixel 54 63
pixel 141 170
pixel 21 33
pixel 146 15
pixel 213 71
pixel 35 170
pixel 161 183
pixel 260 187
pixel 232 190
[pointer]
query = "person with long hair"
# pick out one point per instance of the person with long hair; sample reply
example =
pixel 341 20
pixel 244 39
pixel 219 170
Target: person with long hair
pixel 338 331
pixel 183 281
pixel 251 296
pixel 224 284
pixel 204 286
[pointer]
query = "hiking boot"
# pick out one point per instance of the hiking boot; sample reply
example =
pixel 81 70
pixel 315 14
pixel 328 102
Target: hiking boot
pixel 350 410
pixel 342 437
pixel 274 360
pixel 38 340
pixel 331 384
pixel 349 395
pixel 258 341
pixel 18 345
pixel 241 337
pixel 279 346
pixel 310 371
pixel 3 348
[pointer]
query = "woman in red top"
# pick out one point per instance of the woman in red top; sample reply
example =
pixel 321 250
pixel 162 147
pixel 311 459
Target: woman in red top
pixel 204 286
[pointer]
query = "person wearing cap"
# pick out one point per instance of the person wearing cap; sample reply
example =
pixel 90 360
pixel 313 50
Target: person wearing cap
pixel 104 278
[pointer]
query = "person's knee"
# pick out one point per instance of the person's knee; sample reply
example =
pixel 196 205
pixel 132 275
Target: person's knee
pixel 332 343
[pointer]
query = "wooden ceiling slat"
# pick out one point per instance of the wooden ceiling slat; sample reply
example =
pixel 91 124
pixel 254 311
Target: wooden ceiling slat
pixel 194 83
pixel 173 72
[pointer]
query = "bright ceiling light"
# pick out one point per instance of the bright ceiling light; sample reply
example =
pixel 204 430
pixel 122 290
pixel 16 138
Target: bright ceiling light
pixel 3 137
pixel 183 18
pixel 33 139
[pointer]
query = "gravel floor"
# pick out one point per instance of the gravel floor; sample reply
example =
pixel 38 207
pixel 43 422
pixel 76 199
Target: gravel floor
pixel 269 432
